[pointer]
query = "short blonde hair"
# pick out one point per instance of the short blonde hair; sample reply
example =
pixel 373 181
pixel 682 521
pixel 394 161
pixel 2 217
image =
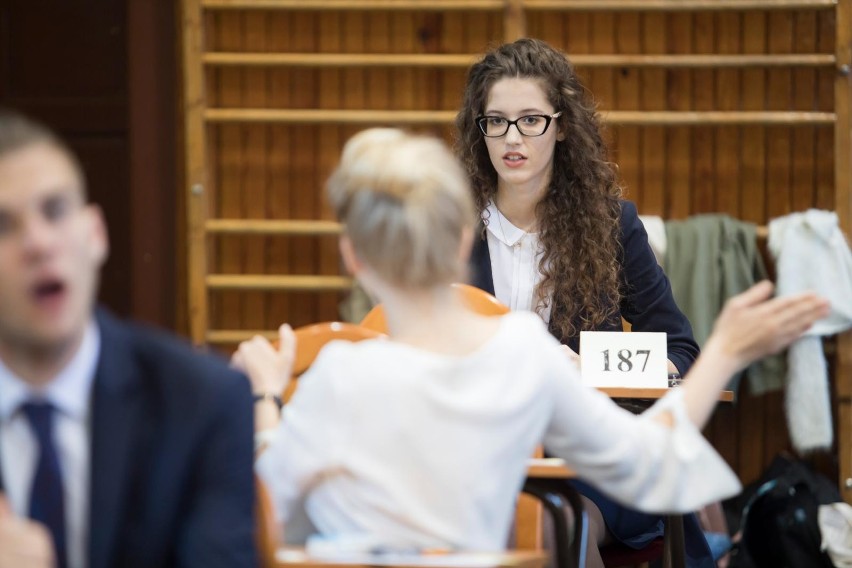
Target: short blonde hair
pixel 404 201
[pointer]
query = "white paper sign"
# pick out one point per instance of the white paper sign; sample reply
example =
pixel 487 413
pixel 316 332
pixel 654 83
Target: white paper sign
pixel 624 359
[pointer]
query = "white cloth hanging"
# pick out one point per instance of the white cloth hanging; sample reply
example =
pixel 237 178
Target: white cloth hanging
pixel 656 229
pixel 811 253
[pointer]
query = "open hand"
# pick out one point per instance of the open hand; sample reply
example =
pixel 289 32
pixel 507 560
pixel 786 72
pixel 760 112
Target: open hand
pixel 752 325
pixel 23 543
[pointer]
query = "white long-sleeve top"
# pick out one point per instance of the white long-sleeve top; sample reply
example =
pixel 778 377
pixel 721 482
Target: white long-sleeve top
pixel 388 445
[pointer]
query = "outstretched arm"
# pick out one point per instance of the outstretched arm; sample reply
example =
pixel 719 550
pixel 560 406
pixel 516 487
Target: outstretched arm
pixel 751 326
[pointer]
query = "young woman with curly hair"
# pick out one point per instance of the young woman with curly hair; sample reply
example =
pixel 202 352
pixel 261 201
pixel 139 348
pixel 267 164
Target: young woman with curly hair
pixel 556 236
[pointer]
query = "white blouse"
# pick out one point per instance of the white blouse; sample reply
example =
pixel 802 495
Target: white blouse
pixel 515 256
pixel 388 446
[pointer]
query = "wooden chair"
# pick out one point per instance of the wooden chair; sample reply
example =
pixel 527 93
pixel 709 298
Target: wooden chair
pixel 478 300
pixel 310 339
pixel 266 531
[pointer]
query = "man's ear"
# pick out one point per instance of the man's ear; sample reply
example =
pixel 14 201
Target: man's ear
pixel 350 259
pixel 98 235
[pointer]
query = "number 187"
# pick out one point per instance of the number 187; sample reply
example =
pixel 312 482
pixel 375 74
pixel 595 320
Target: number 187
pixel 625 359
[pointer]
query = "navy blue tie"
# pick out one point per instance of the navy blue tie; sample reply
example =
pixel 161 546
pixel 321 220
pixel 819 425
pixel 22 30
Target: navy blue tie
pixel 47 503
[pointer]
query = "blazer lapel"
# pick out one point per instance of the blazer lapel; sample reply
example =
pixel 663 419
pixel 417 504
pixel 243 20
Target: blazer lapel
pixel 117 403
pixel 480 264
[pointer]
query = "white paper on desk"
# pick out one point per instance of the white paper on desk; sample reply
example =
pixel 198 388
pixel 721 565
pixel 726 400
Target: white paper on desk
pixel 637 359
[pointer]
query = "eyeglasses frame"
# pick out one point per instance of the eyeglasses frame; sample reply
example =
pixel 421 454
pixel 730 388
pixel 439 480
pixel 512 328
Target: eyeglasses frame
pixel 547 117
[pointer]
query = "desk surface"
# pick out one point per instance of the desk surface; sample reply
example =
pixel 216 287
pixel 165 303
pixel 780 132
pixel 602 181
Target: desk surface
pixel 549 468
pixel 645 393
pixel 297 558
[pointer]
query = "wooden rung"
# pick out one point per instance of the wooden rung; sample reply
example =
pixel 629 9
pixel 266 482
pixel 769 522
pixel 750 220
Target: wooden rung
pixel 272 227
pixel 354 5
pixel 277 282
pixel 340 59
pixel 706 61
pixel 675 5
pixel 310 116
pixel 464 61
pixel 711 118
pixel 219 336
pixel 411 117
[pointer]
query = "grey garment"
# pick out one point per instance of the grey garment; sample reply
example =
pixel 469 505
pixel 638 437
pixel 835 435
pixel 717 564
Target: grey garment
pixel 710 258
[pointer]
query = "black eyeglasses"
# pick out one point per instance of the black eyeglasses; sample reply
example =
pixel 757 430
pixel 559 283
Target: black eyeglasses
pixel 529 125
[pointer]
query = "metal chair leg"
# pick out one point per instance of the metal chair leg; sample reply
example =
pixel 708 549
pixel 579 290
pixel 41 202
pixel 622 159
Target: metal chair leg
pixel 674 554
pixel 555 495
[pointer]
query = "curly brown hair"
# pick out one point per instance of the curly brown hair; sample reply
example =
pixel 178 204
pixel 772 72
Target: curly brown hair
pixel 578 217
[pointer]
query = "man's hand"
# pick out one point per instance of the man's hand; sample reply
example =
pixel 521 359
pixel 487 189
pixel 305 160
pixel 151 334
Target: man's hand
pixel 23 543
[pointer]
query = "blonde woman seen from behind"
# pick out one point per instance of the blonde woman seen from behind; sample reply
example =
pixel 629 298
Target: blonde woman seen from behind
pixel 421 440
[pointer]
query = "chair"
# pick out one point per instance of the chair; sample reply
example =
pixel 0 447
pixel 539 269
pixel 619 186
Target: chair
pixel 266 532
pixel 477 300
pixel 310 339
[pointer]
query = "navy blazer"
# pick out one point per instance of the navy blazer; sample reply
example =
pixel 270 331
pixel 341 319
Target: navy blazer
pixel 647 301
pixel 172 482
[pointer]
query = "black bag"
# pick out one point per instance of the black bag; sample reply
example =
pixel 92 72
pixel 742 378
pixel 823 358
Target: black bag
pixel 780 528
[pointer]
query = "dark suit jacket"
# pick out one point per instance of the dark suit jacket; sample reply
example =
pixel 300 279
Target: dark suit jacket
pixel 171 455
pixel 647 302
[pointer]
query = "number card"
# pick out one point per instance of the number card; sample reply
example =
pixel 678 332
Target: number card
pixel 618 359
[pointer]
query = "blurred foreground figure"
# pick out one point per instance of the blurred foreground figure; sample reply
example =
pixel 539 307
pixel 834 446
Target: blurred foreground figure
pixel 119 446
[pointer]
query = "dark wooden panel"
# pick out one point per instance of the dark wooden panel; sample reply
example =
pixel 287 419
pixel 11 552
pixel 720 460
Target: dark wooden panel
pixel 64 63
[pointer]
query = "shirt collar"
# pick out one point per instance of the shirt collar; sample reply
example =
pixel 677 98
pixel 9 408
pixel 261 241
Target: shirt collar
pixel 502 229
pixel 69 391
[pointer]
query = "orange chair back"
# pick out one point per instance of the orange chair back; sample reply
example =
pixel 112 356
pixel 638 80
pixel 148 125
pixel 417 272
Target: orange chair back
pixel 310 339
pixel 477 300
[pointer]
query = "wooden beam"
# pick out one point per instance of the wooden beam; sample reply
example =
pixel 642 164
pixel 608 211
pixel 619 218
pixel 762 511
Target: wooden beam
pixel 412 117
pixel 195 164
pixel 675 5
pixel 843 206
pixel 355 5
pixel 219 336
pixel 313 116
pixel 463 61
pixel 340 59
pixel 272 227
pixel 277 282
pixel 514 20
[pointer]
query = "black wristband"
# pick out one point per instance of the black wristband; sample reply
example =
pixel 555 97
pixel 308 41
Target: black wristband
pixel 269 396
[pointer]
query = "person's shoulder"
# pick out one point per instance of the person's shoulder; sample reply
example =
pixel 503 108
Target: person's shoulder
pixel 352 355
pixel 629 211
pixel 165 357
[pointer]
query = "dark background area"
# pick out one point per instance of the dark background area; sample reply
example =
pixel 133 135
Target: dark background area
pixel 103 74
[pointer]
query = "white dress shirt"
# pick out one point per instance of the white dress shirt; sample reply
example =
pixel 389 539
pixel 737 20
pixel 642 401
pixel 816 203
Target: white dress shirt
pixel 385 445
pixel 515 256
pixel 70 394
